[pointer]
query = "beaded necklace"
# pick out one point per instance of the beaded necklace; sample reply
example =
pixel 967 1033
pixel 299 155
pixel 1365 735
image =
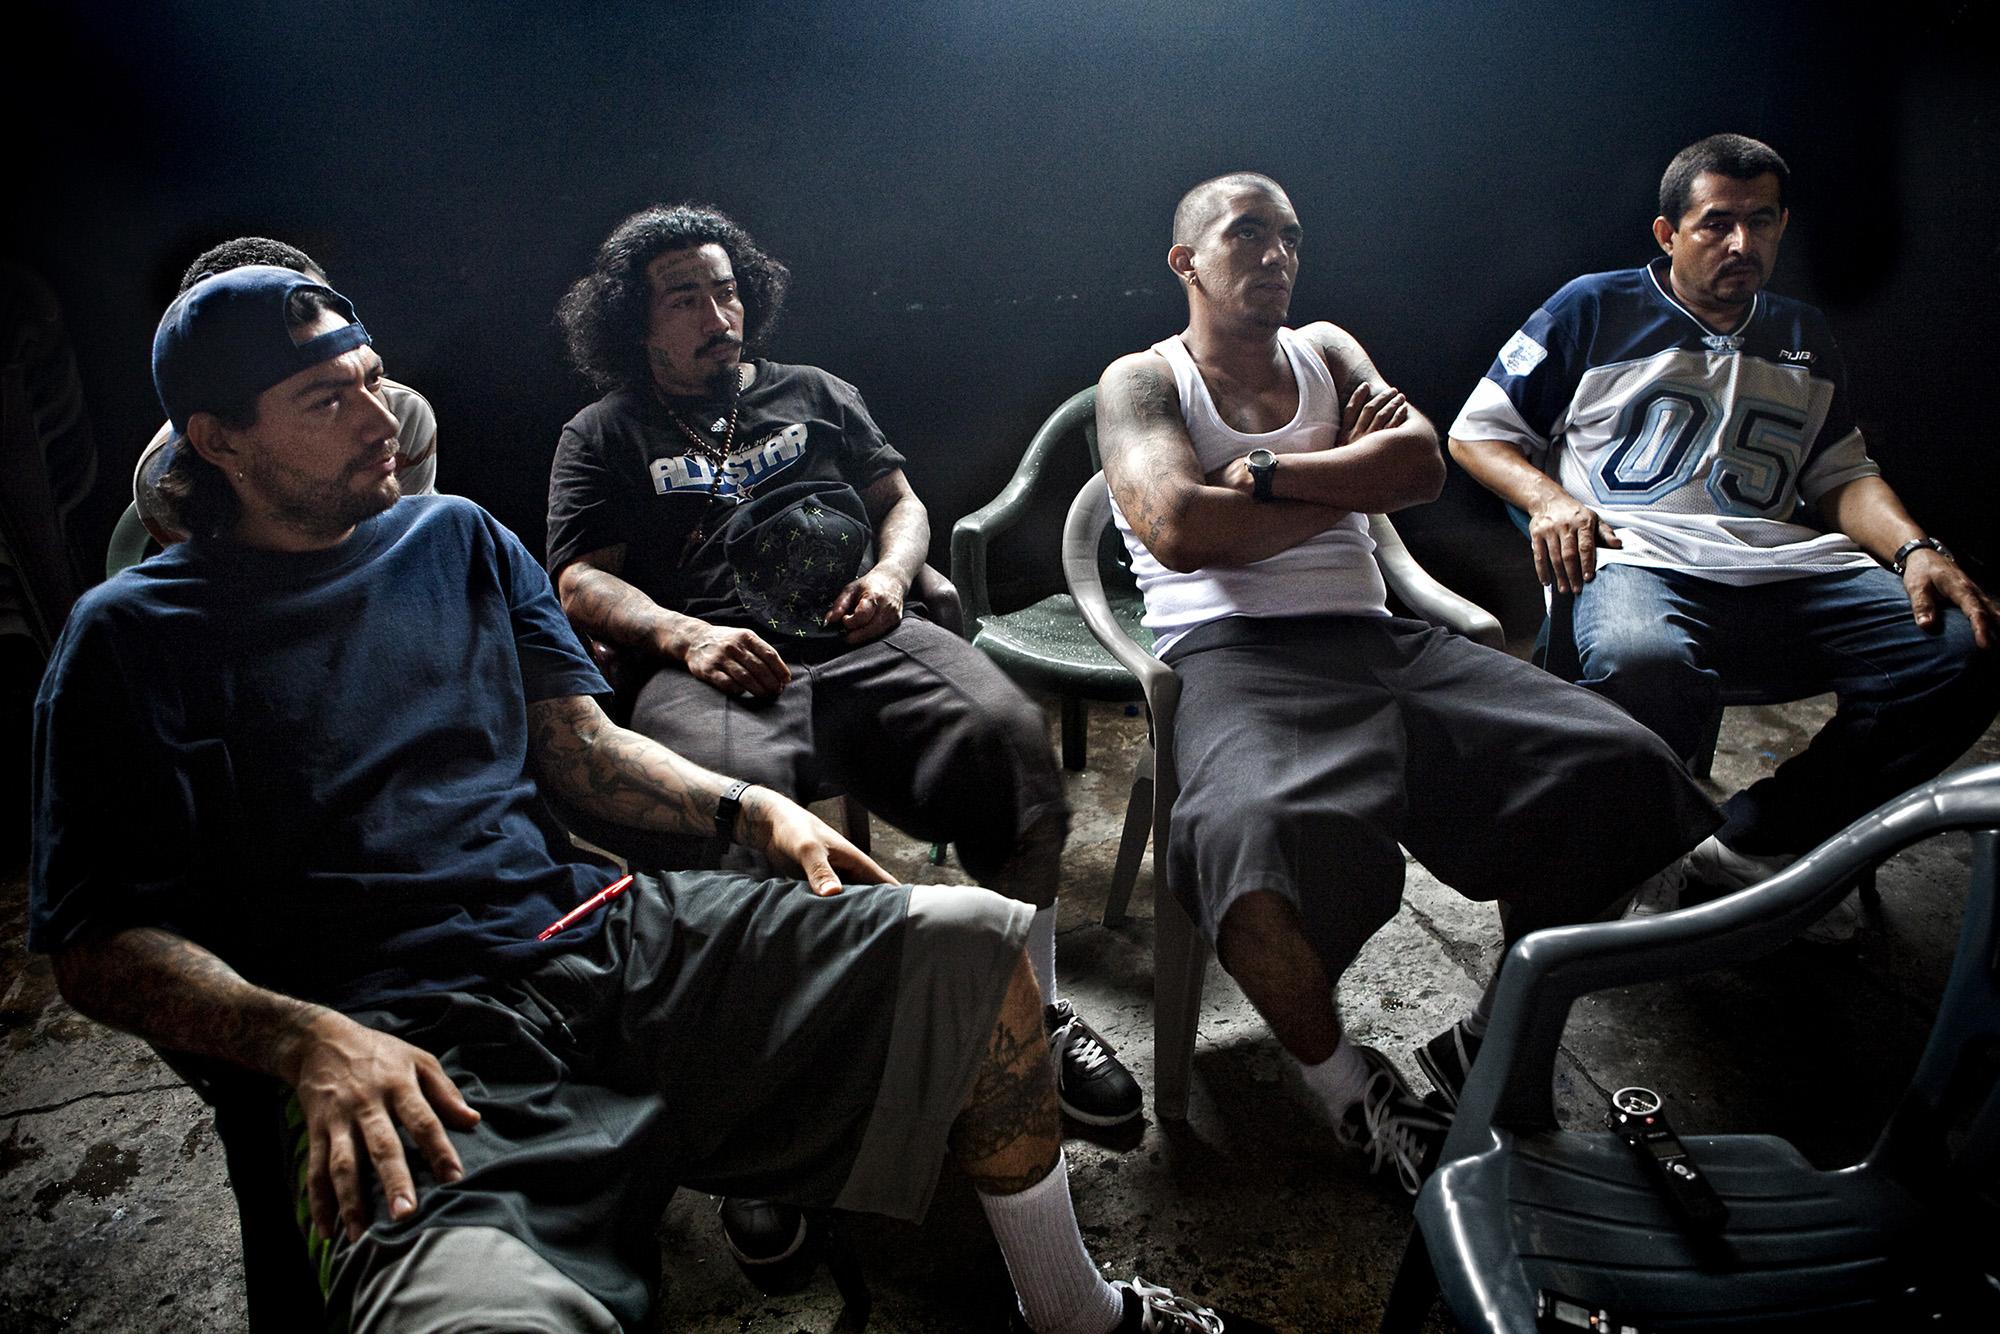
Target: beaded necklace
pixel 718 460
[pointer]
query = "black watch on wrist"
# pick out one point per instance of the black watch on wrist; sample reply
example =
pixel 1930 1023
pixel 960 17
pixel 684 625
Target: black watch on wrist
pixel 1263 465
pixel 727 809
pixel 1902 556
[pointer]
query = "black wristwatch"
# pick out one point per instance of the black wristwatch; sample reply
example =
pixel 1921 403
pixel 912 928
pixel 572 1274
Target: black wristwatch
pixel 728 808
pixel 1902 556
pixel 1263 465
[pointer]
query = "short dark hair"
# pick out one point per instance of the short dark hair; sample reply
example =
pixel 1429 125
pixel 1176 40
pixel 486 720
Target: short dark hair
pixel 196 489
pixel 248 250
pixel 1198 206
pixel 604 315
pixel 1736 156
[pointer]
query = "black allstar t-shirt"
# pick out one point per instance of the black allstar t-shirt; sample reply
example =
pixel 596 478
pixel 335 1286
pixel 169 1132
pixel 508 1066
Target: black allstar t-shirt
pixel 624 473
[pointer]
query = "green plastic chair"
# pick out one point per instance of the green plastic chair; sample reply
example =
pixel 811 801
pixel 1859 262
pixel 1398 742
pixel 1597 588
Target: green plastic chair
pixel 1180 956
pixel 1906 1239
pixel 1046 646
pixel 1043 645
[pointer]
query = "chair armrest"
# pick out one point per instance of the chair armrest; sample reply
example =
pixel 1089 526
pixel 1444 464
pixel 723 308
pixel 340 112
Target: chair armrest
pixel 1545 972
pixel 128 542
pixel 1089 516
pixel 1425 596
pixel 940 597
pixel 971 534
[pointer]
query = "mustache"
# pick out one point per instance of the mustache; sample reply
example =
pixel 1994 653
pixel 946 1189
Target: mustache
pixel 719 342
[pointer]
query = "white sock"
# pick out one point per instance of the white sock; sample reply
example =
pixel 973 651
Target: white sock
pixel 1042 951
pixel 1060 1289
pixel 1339 1079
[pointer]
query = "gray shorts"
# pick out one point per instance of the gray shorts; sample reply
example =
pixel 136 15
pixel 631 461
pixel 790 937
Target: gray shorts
pixel 1310 748
pixel 920 726
pixel 740 1037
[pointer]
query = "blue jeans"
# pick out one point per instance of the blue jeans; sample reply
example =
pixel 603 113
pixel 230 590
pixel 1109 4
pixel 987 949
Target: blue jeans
pixel 1670 648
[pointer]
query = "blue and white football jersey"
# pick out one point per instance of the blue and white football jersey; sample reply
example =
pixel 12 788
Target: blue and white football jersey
pixel 1699 448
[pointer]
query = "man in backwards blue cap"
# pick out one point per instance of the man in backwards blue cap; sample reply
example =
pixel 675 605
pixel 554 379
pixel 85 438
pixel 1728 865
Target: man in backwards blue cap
pixel 332 873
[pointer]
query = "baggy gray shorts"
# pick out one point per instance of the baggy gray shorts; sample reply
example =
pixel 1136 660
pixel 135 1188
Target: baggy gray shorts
pixel 1310 748
pixel 740 1037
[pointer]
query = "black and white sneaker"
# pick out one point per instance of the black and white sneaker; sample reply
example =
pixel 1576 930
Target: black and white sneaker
pixel 1446 1060
pixel 1392 1125
pixel 1090 1083
pixel 1150 1308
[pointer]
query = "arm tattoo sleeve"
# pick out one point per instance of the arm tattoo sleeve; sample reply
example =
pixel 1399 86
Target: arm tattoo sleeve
pixel 617 775
pixel 598 599
pixel 174 993
pixel 1150 490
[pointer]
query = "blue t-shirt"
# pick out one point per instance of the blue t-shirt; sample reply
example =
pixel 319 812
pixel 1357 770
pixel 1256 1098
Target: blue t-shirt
pixel 313 764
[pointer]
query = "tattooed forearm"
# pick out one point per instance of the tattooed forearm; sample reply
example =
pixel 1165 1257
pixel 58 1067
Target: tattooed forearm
pixel 172 992
pixel 601 603
pixel 617 775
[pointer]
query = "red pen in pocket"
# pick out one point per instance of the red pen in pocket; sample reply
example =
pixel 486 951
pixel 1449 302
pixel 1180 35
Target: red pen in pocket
pixel 588 906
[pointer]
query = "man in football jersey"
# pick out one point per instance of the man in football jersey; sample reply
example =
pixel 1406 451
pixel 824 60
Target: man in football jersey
pixel 1683 445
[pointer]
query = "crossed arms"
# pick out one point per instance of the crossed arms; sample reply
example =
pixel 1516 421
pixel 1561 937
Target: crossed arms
pixel 1384 457
pixel 599 600
pixel 357 1085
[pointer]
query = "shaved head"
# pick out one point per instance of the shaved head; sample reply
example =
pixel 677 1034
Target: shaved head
pixel 1200 206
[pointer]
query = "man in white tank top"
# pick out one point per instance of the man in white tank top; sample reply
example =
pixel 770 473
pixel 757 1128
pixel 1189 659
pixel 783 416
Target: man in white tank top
pixel 1317 731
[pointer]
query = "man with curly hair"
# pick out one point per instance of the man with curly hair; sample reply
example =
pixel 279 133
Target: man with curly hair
pixel 743 528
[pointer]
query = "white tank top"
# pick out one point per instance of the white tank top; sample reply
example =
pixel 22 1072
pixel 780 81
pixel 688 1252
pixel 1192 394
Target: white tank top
pixel 1332 573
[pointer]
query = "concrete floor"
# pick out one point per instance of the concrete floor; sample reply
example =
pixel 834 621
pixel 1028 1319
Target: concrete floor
pixel 114 1213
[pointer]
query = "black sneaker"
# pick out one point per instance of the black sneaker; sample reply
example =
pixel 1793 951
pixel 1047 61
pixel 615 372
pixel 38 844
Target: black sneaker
pixel 1446 1060
pixel 1150 1308
pixel 1090 1083
pixel 1392 1125
pixel 768 1240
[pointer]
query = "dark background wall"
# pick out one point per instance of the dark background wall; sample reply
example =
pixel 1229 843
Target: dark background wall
pixel 974 196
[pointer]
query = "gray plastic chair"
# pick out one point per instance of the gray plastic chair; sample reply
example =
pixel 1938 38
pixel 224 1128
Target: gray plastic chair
pixel 1519 1206
pixel 1180 957
pixel 130 542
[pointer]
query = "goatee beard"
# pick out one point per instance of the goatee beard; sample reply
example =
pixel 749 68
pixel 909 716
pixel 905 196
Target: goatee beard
pixel 726 384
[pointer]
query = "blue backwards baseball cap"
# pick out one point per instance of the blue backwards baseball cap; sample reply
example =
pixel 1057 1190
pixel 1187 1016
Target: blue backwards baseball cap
pixel 225 340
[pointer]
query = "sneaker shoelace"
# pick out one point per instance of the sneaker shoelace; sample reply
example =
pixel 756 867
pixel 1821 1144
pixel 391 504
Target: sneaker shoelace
pixel 1080 1043
pixel 1391 1136
pixel 1163 1310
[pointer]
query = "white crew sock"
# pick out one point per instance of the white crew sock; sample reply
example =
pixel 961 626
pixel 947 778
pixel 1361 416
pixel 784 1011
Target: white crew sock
pixel 1042 951
pixel 1338 1080
pixel 1060 1289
